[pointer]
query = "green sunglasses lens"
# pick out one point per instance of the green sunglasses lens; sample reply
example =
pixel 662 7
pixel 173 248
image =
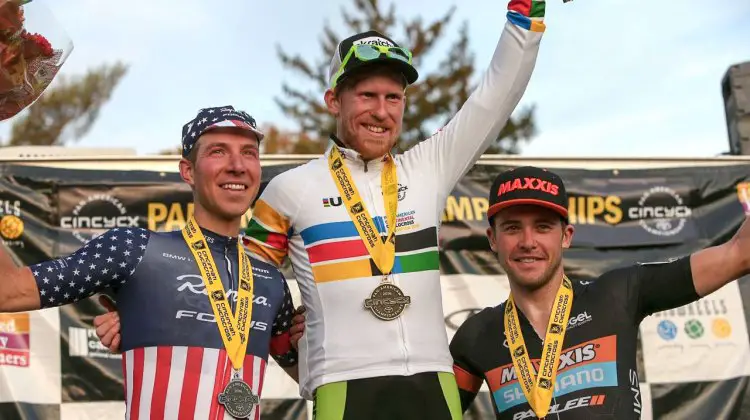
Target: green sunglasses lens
pixel 367 52
pixel 399 53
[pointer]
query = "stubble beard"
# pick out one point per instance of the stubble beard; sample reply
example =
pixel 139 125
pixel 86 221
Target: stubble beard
pixel 534 284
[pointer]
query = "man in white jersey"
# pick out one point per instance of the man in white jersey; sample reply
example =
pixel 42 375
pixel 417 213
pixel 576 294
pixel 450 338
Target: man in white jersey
pixel 360 227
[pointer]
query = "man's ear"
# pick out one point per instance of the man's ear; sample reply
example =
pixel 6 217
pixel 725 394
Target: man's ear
pixel 568 231
pixel 491 238
pixel 186 172
pixel 332 102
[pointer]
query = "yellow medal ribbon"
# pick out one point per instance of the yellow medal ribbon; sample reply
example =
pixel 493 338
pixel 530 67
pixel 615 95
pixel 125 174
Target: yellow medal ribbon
pixel 539 389
pixel 234 328
pixel 382 252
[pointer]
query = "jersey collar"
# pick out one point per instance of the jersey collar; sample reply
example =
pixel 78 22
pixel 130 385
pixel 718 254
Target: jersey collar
pixel 219 242
pixel 353 158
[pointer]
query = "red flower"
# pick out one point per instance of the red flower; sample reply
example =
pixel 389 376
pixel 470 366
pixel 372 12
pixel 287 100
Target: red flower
pixel 41 42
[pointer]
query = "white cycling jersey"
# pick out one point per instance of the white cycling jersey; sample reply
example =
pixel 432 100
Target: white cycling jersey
pixel 300 215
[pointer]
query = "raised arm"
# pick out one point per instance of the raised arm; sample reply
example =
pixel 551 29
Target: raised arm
pixel 458 145
pixel 650 287
pixel 716 266
pixel 106 261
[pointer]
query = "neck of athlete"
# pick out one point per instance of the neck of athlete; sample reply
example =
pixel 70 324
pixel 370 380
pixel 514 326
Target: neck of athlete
pixel 341 141
pixel 536 304
pixel 216 224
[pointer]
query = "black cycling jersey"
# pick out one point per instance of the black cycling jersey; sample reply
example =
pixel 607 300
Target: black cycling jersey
pixel 597 376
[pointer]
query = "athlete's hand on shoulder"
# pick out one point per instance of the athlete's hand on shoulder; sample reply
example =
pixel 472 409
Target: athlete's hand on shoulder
pixel 298 326
pixel 108 325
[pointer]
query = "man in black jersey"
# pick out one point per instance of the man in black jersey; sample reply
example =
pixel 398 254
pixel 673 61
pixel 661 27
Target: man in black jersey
pixel 573 344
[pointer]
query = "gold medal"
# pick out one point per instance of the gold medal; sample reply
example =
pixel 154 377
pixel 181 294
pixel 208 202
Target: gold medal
pixel 387 301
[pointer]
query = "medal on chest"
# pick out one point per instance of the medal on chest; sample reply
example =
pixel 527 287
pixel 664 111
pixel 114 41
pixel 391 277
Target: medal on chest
pixel 538 388
pixel 238 397
pixel 387 301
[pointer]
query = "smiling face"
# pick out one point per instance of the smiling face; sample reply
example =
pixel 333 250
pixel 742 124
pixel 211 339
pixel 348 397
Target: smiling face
pixel 369 110
pixel 224 172
pixel 529 241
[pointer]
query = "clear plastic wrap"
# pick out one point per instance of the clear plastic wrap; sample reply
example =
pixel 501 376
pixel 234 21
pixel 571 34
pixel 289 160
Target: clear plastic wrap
pixel 33 48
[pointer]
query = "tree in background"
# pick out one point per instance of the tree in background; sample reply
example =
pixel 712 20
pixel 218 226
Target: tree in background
pixel 67 110
pixel 431 102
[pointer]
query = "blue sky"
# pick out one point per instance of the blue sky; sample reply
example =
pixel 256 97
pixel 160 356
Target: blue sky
pixel 613 78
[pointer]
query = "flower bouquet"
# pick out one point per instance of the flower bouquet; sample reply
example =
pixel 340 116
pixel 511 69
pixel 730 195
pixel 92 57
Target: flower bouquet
pixel 28 60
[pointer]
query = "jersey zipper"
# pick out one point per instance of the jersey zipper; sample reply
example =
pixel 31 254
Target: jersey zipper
pixel 231 277
pixel 227 361
pixel 401 329
pixel 404 348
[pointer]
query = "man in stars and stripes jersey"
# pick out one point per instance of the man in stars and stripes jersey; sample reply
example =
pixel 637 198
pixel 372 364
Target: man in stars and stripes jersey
pixel 177 364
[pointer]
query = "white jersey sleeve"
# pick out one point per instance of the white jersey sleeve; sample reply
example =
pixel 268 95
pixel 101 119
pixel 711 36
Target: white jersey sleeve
pixel 454 149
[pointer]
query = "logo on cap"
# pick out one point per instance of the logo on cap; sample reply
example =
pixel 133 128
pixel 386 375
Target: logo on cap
pixel 528 184
pixel 374 40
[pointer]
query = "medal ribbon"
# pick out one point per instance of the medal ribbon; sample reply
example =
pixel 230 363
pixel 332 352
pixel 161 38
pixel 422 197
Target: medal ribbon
pixel 538 389
pixel 382 252
pixel 234 328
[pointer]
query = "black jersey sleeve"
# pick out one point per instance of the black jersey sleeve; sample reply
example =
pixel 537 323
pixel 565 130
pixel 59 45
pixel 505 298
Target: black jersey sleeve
pixel 652 287
pixel 106 261
pixel 281 346
pixel 468 376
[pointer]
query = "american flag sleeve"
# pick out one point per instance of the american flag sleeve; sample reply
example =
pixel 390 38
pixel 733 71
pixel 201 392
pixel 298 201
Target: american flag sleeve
pixel 106 261
pixel 281 345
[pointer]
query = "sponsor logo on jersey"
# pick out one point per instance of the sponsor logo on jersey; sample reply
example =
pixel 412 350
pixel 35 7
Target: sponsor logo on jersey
pixel 337 201
pixel 590 365
pixel 559 407
pixel 402 192
pixel 406 221
pixel 83 342
pixel 193 283
pixel 176 257
pixel 206 317
pixel 636 390
pixel 332 202
pixel 578 320
pixel 15 340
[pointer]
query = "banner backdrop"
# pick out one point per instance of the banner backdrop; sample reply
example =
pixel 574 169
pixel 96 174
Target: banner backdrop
pixel 694 361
